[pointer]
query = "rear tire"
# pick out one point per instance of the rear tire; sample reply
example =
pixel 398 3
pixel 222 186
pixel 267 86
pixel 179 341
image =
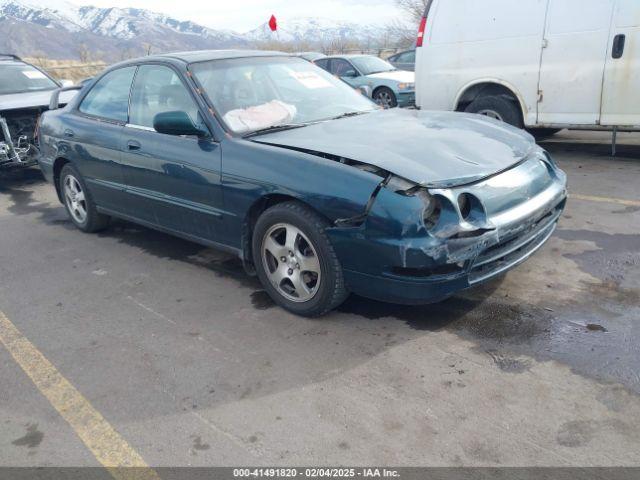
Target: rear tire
pixel 295 261
pixel 78 201
pixel 498 107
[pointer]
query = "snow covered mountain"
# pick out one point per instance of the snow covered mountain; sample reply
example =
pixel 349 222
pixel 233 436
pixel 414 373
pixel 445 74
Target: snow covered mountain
pixel 313 30
pixel 27 28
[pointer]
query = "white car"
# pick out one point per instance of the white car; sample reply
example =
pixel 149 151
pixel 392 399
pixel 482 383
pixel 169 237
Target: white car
pixel 539 64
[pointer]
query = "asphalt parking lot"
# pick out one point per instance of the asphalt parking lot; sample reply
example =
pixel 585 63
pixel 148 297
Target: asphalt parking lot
pixel 185 357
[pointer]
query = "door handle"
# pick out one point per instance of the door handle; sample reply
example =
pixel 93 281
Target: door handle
pixel 133 145
pixel 68 133
pixel 618 46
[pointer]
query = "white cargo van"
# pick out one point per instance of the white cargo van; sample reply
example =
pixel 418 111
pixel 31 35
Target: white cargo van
pixel 546 64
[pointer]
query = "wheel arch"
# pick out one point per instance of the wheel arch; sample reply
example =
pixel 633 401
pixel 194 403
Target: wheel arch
pixel 488 86
pixel 253 213
pixel 380 87
pixel 58 164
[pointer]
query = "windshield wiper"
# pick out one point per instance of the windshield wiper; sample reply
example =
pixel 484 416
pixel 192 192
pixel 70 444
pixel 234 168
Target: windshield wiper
pixel 349 114
pixel 274 128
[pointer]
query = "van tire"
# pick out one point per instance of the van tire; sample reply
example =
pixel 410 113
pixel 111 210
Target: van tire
pixel 500 107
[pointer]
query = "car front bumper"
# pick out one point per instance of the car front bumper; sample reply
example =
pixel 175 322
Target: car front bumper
pixel 419 270
pixel 406 99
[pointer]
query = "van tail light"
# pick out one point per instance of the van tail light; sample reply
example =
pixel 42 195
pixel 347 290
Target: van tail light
pixel 423 25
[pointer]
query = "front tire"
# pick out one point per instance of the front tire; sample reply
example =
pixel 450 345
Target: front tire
pixel 385 97
pixel 498 107
pixel 79 203
pixel 295 261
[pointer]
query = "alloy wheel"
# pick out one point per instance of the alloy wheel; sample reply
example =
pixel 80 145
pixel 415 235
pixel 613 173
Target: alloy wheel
pixel 75 199
pixel 291 262
pixel 384 99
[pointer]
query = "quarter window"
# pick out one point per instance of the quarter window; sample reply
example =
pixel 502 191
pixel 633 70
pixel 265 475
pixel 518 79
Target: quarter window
pixel 159 89
pixel 109 97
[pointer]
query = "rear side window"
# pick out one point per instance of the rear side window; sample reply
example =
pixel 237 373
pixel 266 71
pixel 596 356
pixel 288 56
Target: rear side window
pixel 109 97
pixel 323 63
pixel 158 89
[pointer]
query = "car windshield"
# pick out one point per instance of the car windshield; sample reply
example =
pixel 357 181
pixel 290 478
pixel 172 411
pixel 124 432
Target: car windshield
pixel 369 65
pixel 19 78
pixel 253 94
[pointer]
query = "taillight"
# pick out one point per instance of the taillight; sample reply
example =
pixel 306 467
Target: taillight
pixel 421 29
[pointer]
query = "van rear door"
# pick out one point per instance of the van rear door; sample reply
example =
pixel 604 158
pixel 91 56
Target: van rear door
pixel 573 60
pixel 621 94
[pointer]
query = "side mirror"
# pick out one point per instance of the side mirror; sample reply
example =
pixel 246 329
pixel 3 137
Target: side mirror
pixel 350 74
pixel 67 83
pixel 176 123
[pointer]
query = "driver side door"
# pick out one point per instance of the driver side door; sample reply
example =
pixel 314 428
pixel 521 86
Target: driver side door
pixel 346 71
pixel 173 180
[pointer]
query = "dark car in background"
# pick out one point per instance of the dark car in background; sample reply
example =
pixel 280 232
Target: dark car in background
pixel 404 60
pixel 317 189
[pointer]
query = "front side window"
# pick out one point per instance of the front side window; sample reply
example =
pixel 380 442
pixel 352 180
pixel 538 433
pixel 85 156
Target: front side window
pixel 20 78
pixel 158 89
pixel 109 97
pixel 370 65
pixel 342 68
pixel 255 93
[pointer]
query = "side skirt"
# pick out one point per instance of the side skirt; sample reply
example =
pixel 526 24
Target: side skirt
pixel 175 233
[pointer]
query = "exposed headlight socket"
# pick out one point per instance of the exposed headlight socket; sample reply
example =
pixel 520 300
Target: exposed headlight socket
pixel 471 208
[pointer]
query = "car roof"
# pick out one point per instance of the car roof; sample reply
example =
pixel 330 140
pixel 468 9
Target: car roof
pixel 205 55
pixel 11 61
pixel 197 56
pixel 350 55
pixel 404 51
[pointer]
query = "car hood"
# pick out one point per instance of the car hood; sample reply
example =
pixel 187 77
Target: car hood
pixel 397 75
pixel 433 149
pixel 42 98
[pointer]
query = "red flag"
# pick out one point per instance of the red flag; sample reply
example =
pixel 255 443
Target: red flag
pixel 273 23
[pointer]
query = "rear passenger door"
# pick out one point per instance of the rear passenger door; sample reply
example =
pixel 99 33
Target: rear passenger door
pixel 621 94
pixel 93 133
pixel 173 181
pixel 573 58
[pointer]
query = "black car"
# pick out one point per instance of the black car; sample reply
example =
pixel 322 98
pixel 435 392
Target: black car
pixel 404 60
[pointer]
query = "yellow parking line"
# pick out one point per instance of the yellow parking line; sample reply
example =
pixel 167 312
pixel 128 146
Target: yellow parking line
pixel 619 201
pixel 109 448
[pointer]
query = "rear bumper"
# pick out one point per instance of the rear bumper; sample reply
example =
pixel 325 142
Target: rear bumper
pixel 47 168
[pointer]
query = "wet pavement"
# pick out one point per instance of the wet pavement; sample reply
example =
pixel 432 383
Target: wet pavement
pixel 194 365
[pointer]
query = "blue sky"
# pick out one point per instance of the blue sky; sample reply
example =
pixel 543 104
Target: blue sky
pixel 243 15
